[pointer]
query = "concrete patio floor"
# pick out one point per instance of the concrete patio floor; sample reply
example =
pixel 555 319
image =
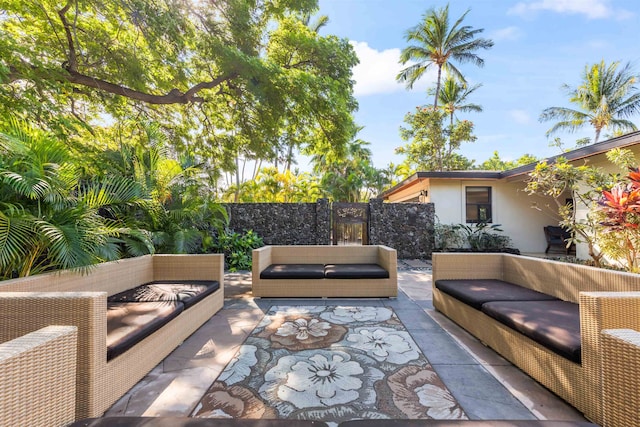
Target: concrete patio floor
pixel 485 384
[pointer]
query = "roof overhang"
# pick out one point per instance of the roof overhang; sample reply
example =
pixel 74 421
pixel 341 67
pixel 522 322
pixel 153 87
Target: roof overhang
pixel 521 172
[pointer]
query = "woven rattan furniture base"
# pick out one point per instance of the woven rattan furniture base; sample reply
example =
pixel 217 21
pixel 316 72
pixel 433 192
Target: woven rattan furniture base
pixel 607 299
pixel 71 298
pixel 38 378
pixel 322 254
pixel 621 377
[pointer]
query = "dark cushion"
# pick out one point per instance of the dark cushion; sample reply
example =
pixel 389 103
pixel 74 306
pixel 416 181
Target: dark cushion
pixel 553 324
pixel 130 322
pixel 478 291
pixel 293 271
pixel 188 292
pixel 355 271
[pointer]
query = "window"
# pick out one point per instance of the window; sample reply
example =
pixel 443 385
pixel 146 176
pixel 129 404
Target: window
pixel 478 204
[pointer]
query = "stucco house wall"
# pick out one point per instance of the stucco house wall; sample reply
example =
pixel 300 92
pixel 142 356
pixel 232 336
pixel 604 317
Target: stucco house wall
pixel 521 216
pixel 511 208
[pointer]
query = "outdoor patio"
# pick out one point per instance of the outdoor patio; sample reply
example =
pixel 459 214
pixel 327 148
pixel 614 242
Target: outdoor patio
pixel 484 385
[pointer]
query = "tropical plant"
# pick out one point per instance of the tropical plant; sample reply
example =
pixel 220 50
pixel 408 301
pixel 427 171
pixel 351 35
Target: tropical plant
pixel 617 213
pixel 495 163
pixel 49 218
pixel 583 185
pixel 349 175
pixel 606 98
pixel 237 248
pixel 484 237
pixel 436 44
pixel 447 236
pixel 432 144
pixel 478 237
pixel 453 97
pixel 228 80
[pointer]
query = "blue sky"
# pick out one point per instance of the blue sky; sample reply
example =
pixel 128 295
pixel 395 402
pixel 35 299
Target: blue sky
pixel 539 45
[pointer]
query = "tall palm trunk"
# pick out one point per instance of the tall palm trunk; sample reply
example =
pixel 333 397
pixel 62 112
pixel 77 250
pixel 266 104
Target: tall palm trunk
pixel 435 98
pixel 236 195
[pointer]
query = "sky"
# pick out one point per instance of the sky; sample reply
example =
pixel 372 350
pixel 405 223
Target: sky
pixel 539 45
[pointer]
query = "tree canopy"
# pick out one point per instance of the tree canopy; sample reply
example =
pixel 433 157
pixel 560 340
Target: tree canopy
pixel 435 42
pixel 606 98
pixel 222 78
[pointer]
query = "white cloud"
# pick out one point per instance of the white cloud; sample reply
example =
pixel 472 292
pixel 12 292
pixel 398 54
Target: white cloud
pixel 376 73
pixel 520 117
pixel 508 33
pixel 592 9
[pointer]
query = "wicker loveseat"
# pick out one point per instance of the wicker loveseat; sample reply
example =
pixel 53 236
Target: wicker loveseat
pixel 605 299
pixel 71 298
pixel 325 271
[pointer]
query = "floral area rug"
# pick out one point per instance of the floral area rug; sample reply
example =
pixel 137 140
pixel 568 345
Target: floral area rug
pixel 332 364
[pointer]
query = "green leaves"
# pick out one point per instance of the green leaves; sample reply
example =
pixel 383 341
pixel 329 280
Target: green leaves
pixel 605 99
pixel 432 144
pixel 436 43
pixel 237 248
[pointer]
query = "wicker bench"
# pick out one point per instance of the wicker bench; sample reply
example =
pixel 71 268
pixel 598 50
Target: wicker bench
pixel 71 298
pixel 606 300
pixel 325 271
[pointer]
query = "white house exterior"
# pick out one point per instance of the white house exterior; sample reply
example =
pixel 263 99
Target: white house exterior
pixel 455 195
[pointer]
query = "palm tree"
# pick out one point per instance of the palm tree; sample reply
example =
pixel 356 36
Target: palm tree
pixel 605 98
pixel 453 96
pixel 49 218
pixel 436 44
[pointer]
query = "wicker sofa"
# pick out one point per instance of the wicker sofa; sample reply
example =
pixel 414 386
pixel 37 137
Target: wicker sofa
pixel 38 378
pixel 606 300
pixel 71 298
pixel 325 271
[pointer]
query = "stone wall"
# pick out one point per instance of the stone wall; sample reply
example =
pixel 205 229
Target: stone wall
pixel 406 227
pixel 283 223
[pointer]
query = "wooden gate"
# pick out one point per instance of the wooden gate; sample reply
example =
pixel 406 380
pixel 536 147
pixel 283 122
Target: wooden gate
pixel 350 223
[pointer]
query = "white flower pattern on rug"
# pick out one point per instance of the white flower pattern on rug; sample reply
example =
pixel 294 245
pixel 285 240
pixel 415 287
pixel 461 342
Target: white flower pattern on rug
pixel 328 380
pixel 342 315
pixel 329 363
pixel 240 366
pixel 302 328
pixel 385 344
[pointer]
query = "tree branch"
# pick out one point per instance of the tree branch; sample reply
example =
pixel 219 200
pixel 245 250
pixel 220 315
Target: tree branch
pixel 72 59
pixel 174 96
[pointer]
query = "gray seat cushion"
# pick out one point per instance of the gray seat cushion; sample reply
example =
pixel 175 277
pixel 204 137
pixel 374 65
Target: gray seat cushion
pixel 475 292
pixel 293 271
pixel 355 271
pixel 188 292
pixel 553 324
pixel 130 322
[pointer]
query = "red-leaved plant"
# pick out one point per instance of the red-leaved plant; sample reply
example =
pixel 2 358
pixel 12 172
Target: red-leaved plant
pixel 621 218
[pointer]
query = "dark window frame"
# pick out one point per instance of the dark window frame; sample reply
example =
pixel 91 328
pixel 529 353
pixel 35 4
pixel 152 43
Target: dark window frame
pixel 479 207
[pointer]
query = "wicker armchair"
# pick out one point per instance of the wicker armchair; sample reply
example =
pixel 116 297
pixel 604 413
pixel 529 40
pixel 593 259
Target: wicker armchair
pixel 558 237
pixel 38 378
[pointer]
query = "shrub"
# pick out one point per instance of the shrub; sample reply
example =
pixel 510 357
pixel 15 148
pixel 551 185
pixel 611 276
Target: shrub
pixel 237 248
pixel 485 237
